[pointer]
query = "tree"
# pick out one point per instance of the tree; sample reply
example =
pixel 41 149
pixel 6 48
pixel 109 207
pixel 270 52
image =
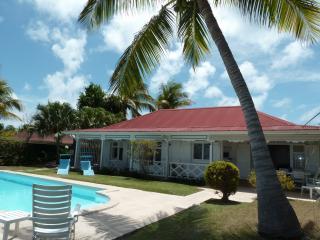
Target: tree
pixel 172 96
pixel 137 101
pixel 196 27
pixel 88 117
pixel 8 102
pixel 54 118
pixel 93 96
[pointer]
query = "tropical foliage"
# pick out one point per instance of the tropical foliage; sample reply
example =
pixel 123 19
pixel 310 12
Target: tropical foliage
pixel 93 96
pixel 89 117
pixel 7 102
pixel 196 27
pixel 223 176
pixel 172 96
pixel 133 102
pixel 286 181
pixel 53 119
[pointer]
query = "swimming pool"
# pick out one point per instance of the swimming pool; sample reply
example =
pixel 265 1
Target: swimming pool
pixel 16 192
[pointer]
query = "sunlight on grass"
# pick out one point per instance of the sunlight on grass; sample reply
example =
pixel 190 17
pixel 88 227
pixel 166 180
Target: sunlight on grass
pixel 120 181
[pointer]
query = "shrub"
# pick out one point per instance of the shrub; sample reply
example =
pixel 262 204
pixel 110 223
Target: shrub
pixel 223 176
pixel 286 181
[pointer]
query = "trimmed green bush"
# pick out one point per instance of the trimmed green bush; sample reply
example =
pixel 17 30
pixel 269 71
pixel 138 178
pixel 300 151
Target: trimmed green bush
pixel 286 181
pixel 223 176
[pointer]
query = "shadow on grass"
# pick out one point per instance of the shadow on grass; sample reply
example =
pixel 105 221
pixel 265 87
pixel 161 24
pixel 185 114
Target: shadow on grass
pixel 220 202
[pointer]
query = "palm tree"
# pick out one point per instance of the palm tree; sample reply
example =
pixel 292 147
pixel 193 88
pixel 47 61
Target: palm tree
pixel 196 27
pixel 7 102
pixel 134 102
pixel 52 119
pixel 172 96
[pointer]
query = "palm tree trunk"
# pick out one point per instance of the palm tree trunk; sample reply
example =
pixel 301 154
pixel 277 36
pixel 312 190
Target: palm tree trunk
pixel 276 217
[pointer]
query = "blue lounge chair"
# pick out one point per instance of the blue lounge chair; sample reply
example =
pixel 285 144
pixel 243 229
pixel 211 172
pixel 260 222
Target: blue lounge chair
pixel 86 168
pixel 64 166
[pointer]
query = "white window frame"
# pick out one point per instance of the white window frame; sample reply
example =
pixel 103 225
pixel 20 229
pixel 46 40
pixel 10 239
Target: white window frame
pixel 202 152
pixel 159 147
pixel 118 147
pixel 293 156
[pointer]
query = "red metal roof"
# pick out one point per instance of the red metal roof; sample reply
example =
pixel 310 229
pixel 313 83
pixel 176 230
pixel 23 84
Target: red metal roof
pixel 197 120
pixel 37 139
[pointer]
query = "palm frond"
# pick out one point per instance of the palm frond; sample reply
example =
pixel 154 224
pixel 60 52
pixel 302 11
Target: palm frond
pixel 96 12
pixel 144 54
pixel 298 17
pixel 193 32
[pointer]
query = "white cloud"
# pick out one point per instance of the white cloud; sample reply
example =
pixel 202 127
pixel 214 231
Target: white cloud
pixel 291 55
pixel 223 100
pixel 64 87
pixel 69 46
pixel 70 49
pixel 120 31
pixel 310 114
pixel 199 78
pixel 170 66
pixel 282 103
pixel 27 87
pixel 61 10
pixel 38 31
pixel 259 85
pixel 241 32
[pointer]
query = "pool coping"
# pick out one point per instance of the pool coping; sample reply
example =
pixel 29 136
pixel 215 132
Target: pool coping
pixel 100 207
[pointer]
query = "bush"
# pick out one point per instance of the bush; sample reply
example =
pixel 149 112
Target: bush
pixel 15 153
pixel 286 181
pixel 223 176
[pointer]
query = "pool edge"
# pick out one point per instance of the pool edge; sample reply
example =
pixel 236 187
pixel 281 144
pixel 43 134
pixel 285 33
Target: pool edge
pixel 100 207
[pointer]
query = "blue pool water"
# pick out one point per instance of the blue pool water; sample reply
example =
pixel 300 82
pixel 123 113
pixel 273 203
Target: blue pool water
pixel 16 192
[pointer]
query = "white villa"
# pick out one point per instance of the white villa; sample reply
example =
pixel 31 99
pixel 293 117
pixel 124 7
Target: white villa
pixel 189 139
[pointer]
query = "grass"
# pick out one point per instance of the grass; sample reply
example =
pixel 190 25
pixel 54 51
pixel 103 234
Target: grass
pixel 214 221
pixel 119 181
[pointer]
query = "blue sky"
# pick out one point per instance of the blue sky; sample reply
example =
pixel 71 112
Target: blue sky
pixel 46 55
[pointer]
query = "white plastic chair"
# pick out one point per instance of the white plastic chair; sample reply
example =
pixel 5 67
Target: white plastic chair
pixel 315 180
pixel 51 212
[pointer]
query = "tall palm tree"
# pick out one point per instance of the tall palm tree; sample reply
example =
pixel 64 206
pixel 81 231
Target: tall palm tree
pixel 134 102
pixel 196 26
pixel 7 102
pixel 172 96
pixel 52 119
pixel 138 101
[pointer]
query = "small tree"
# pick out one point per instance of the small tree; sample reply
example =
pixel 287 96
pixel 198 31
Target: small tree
pixel 286 182
pixel 223 176
pixel 143 151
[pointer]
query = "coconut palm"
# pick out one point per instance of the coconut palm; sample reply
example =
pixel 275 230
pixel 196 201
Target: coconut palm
pixel 8 102
pixel 197 26
pixel 136 101
pixel 53 119
pixel 172 96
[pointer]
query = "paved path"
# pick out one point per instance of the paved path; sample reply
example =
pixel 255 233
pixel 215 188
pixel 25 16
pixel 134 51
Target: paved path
pixel 134 210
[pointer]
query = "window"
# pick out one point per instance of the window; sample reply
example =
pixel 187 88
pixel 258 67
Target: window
pixel 157 153
pixel 298 157
pixel 116 151
pixel 201 151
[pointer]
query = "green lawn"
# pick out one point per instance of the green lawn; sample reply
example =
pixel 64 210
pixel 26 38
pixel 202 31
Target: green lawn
pixel 128 182
pixel 222 222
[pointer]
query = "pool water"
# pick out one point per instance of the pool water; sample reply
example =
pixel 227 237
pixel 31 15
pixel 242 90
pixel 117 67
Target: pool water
pixel 16 192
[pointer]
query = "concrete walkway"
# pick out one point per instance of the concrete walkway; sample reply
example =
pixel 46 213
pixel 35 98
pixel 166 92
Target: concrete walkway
pixel 134 209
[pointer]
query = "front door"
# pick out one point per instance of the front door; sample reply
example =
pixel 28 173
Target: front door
pixel 280 155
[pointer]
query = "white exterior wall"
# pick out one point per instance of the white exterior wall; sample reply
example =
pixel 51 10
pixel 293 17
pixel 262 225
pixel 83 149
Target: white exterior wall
pixel 243 159
pixel 312 157
pixel 180 151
